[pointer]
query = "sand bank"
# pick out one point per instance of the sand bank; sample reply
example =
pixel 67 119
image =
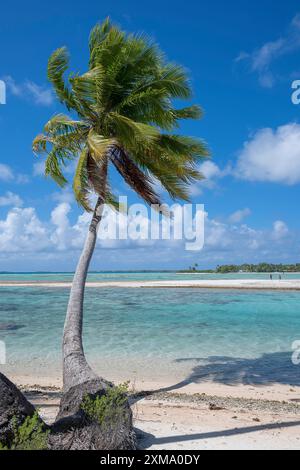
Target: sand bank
pixel 254 284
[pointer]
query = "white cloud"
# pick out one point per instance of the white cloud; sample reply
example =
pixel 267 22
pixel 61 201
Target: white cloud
pixel 22 231
pixel 40 95
pixel 39 168
pixel 65 195
pixel 10 199
pixel 227 243
pixel 59 218
pixel 29 90
pixel 262 58
pixel 26 239
pixel 6 173
pixel 272 156
pixel 212 173
pixel 280 230
pixel 13 87
pixel 22 178
pixel 239 215
pixel 210 170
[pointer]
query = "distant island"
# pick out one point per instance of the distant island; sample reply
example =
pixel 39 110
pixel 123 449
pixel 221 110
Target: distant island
pixel 246 268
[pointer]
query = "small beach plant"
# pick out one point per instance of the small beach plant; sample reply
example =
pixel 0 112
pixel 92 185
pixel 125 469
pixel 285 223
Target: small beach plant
pixel 30 435
pixel 108 408
pixel 122 113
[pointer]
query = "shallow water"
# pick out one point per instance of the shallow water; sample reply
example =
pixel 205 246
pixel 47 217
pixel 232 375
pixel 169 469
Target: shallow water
pixel 138 276
pixel 227 336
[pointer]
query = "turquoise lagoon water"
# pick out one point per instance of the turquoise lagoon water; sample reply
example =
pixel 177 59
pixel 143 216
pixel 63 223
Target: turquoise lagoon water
pixel 221 335
pixel 136 276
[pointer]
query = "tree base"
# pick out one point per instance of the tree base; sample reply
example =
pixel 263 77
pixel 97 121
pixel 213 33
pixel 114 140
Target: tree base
pixel 14 407
pixel 75 430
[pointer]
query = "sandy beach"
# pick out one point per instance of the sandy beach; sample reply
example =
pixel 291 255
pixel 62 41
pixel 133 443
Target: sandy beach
pixel 207 417
pixel 252 284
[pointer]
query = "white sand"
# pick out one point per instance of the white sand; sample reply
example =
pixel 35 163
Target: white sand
pixel 189 427
pixel 273 392
pixel 191 283
pixel 168 421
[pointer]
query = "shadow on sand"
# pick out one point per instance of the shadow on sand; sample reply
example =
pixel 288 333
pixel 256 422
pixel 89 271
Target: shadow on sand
pixel 147 440
pixel 269 369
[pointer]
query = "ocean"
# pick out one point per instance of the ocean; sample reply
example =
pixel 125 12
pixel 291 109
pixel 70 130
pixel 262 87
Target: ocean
pixel 226 336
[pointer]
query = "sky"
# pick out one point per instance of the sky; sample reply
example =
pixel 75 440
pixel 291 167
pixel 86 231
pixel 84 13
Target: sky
pixel 242 58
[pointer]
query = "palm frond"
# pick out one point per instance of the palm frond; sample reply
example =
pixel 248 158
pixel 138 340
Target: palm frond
pixel 88 91
pixel 134 177
pixel 189 112
pixel 182 146
pixel 40 142
pixel 53 169
pixel 131 132
pixel 98 34
pixel 99 146
pixel 81 185
pixel 97 176
pixel 62 124
pixel 112 201
pixel 126 113
pixel 57 66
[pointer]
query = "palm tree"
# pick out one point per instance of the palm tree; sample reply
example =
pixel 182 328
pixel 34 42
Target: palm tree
pixel 122 115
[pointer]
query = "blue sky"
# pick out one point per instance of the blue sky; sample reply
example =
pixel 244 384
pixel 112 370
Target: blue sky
pixel 242 57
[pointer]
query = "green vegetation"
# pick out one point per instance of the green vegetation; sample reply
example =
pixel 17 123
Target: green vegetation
pixel 194 269
pixel 109 408
pixel 126 117
pixel 258 268
pixel 30 435
pixel 246 268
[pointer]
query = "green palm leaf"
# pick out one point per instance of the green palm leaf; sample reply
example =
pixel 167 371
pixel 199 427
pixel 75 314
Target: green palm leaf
pixel 125 116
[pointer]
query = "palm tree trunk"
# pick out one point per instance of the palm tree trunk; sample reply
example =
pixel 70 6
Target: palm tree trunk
pixel 76 370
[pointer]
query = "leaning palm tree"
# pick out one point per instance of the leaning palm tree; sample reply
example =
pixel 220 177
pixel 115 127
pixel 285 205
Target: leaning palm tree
pixel 122 114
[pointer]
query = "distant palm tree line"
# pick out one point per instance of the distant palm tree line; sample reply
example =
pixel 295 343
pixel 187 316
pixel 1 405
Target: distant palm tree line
pixel 249 268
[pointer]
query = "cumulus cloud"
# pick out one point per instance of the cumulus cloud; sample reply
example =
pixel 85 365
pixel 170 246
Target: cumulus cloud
pixel 64 195
pixel 280 230
pixel 261 59
pixel 212 174
pixel 10 199
pixel 22 231
pixel 39 168
pixel 231 243
pixel 24 236
pixel 59 218
pixel 41 95
pixel 239 215
pixel 29 90
pixel 272 156
pixel 7 175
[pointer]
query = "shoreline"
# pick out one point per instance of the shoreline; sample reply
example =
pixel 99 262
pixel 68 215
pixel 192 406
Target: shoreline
pixel 271 392
pixel 247 284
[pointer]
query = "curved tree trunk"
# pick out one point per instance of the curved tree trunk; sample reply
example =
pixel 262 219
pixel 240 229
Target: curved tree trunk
pixel 76 370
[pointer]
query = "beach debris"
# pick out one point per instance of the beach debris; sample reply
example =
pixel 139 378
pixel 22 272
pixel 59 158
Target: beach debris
pixel 214 407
